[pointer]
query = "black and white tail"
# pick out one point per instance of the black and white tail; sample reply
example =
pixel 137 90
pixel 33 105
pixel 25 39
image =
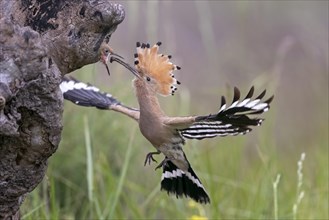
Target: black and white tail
pixel 86 94
pixel 230 120
pixel 177 182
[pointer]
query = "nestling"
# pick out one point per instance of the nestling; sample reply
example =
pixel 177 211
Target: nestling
pixel 104 52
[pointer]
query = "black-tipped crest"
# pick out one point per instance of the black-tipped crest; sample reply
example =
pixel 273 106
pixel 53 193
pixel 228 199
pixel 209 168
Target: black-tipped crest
pixel 156 66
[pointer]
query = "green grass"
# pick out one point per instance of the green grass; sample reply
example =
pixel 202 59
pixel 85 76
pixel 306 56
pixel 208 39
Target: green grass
pixel 98 172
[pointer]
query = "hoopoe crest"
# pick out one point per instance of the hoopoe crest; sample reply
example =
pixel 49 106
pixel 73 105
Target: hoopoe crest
pixel 156 67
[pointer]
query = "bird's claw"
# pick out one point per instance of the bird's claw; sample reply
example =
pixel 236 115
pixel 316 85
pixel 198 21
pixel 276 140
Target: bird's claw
pixel 149 158
pixel 162 164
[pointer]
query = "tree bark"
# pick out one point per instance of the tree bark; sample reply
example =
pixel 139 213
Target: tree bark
pixel 40 41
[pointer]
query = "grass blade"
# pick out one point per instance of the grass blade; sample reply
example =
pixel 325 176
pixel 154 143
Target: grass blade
pixel 123 173
pixel 89 162
pixel 275 196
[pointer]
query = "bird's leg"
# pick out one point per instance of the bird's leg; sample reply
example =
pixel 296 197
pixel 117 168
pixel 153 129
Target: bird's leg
pixel 149 157
pixel 163 163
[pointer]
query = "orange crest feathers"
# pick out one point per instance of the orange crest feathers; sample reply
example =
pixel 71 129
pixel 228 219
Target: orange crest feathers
pixel 157 66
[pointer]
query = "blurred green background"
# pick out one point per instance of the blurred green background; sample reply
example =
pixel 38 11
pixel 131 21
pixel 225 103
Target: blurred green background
pixel 98 172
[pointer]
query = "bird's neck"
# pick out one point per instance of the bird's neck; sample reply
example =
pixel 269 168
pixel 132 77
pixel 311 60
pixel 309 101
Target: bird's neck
pixel 148 102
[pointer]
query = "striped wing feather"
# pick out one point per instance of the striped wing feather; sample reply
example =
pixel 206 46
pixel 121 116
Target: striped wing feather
pixel 230 120
pixel 85 94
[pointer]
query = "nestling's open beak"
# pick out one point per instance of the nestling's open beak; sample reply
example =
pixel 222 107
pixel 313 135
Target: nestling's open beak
pixel 130 68
pixel 104 60
pixel 106 52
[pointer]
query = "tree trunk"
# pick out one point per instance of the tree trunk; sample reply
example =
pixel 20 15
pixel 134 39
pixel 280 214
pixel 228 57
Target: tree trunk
pixel 40 41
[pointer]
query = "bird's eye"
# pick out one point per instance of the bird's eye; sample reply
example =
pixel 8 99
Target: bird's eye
pixel 148 78
pixel 106 51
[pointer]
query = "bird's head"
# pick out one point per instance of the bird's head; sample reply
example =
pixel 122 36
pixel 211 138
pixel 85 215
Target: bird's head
pixel 105 51
pixel 155 69
pixel 152 69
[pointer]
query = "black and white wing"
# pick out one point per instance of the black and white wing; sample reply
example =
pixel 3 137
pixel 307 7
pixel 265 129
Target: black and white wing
pixel 86 94
pixel 234 119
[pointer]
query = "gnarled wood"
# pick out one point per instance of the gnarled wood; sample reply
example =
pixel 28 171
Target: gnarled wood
pixel 40 41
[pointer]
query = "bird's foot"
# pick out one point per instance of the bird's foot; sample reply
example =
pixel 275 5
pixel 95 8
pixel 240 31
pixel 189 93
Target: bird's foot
pixel 149 157
pixel 163 163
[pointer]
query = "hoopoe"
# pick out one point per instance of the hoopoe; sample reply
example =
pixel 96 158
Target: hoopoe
pixel 167 133
pixel 154 75
pixel 228 122
pixel 104 52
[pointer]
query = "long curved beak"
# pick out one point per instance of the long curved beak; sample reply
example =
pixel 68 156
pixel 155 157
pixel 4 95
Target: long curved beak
pixel 116 55
pixel 126 65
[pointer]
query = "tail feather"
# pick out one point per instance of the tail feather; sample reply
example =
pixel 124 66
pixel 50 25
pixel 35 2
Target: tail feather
pixel 230 120
pixel 180 183
pixel 86 94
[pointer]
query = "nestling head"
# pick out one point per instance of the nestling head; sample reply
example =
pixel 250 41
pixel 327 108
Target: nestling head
pixel 104 52
pixel 155 70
